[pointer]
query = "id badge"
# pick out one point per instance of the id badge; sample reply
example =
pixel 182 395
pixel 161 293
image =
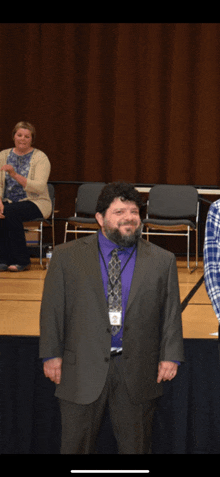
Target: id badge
pixel 115 318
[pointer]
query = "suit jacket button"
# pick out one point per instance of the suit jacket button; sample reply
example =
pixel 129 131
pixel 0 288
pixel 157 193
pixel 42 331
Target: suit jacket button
pixel 106 360
pixel 109 330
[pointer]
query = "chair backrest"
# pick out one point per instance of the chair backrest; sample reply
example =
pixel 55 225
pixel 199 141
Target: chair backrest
pixel 173 201
pixel 51 191
pixel 87 196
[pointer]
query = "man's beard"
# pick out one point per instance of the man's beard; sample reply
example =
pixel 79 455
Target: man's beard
pixel 123 240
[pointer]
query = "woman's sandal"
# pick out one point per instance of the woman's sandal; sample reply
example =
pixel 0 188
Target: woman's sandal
pixel 18 268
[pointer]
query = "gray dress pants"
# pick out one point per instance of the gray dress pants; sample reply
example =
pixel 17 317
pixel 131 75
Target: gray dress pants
pixel 132 424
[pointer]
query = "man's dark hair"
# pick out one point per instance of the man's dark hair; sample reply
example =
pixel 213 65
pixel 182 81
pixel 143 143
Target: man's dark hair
pixel 114 190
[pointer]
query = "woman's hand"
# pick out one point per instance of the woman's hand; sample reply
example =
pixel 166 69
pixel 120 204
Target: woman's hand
pixel 18 177
pixel 1 210
pixel 10 169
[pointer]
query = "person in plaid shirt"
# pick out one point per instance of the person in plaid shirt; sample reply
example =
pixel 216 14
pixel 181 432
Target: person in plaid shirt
pixel 211 256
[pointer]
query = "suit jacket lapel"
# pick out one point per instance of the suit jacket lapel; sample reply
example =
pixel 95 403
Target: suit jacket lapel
pixel 139 270
pixel 92 258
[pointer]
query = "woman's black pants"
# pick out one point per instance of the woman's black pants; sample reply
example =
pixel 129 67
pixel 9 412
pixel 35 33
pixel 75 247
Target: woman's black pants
pixel 13 248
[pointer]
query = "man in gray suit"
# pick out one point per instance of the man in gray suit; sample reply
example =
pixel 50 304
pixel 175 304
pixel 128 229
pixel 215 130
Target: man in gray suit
pixel 95 357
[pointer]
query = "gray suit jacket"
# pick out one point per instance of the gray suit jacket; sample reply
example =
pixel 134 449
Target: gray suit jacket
pixel 75 323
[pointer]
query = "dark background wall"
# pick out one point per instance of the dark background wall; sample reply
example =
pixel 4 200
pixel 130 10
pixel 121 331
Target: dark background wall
pixel 115 101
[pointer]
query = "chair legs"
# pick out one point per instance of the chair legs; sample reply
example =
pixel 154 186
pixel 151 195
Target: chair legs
pixel 39 229
pixel 188 248
pixel 148 233
pixel 66 225
pixel 41 244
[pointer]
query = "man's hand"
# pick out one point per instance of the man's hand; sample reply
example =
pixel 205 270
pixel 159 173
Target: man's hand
pixel 167 370
pixel 52 369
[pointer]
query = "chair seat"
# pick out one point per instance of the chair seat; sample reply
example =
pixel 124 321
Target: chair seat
pixel 35 222
pixel 84 223
pixel 163 223
pixel 82 220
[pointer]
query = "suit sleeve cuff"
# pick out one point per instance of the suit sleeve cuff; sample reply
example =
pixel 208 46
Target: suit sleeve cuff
pixel 46 359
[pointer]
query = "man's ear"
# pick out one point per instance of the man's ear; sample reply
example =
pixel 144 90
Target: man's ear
pixel 100 219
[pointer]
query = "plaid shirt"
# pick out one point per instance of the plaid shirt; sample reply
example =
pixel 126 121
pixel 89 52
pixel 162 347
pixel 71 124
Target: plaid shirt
pixel 211 256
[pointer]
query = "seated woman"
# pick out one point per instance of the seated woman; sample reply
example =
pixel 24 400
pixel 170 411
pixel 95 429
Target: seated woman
pixel 24 196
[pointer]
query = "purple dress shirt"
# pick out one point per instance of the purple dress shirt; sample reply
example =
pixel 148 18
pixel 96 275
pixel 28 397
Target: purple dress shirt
pixel 106 247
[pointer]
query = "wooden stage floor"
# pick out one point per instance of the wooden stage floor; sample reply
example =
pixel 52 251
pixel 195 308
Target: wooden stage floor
pixel 20 299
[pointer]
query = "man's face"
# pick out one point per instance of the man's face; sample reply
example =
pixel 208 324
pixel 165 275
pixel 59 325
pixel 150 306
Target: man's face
pixel 121 223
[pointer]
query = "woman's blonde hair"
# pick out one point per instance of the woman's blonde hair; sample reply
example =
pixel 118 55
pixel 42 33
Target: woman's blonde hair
pixel 25 125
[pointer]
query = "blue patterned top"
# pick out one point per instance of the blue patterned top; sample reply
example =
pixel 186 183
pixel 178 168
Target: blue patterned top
pixel 21 164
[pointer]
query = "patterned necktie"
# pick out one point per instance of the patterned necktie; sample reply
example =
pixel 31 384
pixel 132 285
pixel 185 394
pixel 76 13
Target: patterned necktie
pixel 114 287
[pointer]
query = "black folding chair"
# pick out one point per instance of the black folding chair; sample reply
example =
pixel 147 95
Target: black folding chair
pixel 173 210
pixel 83 219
